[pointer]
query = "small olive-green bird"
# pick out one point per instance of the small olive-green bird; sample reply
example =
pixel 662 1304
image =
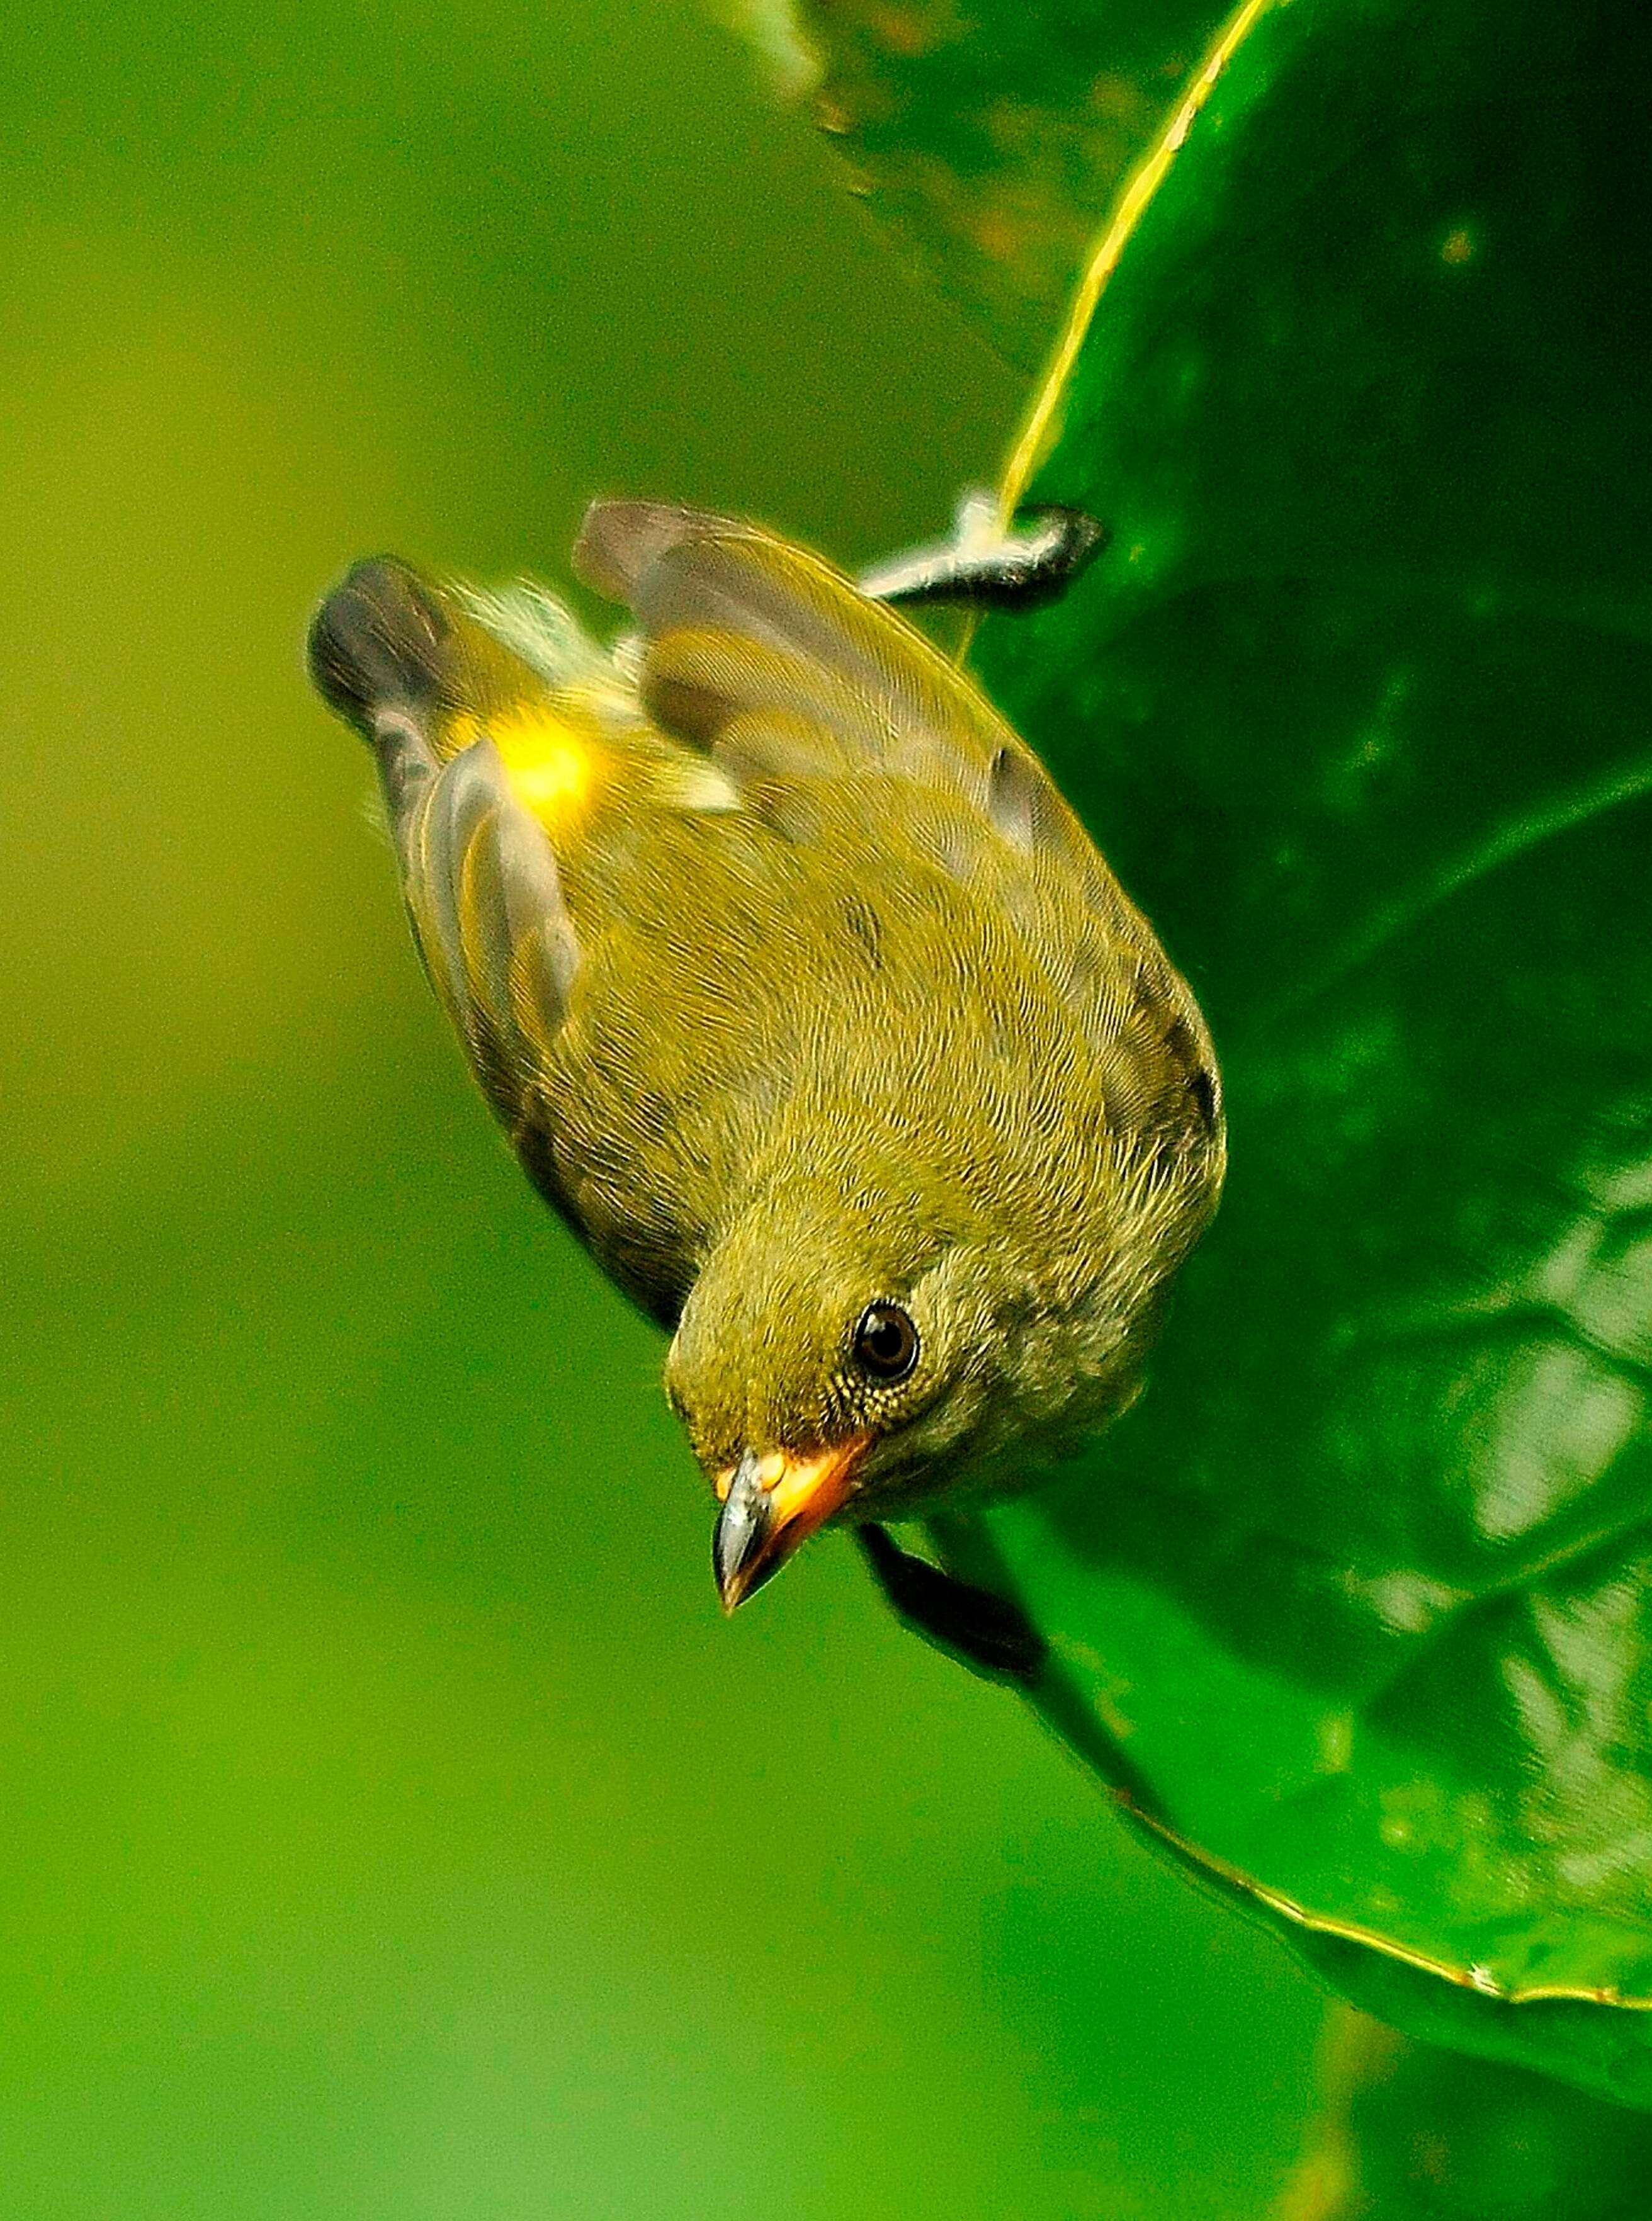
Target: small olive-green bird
pixel 807 1002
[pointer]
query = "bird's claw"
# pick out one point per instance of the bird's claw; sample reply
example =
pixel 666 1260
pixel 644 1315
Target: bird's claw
pixel 987 566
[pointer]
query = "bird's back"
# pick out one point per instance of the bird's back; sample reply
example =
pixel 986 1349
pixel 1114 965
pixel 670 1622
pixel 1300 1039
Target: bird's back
pixel 775 850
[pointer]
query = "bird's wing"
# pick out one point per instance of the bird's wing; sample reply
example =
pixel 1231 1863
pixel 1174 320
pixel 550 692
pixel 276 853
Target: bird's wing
pixel 773 662
pixel 418 678
pixel 763 655
pixel 740 626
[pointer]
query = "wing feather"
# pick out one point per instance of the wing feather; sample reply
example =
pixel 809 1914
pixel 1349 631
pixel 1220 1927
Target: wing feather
pixel 778 666
pixel 394 654
pixel 738 621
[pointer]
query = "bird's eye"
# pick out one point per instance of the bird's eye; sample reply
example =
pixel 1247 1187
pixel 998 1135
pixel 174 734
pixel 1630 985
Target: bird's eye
pixel 885 1342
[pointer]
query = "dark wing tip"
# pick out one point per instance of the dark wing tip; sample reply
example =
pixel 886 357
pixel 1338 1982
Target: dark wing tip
pixel 378 638
pixel 620 540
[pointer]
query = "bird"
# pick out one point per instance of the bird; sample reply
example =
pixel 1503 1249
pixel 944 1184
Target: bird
pixel 807 1002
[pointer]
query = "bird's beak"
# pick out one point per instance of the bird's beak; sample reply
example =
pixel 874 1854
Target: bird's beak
pixel 770 1505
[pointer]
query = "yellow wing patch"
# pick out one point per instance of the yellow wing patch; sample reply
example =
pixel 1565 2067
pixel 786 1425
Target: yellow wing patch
pixel 550 763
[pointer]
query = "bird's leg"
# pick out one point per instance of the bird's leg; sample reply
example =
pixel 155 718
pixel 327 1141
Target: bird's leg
pixel 978 1630
pixel 985 567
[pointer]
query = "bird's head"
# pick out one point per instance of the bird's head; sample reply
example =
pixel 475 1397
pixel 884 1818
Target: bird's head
pixel 856 1341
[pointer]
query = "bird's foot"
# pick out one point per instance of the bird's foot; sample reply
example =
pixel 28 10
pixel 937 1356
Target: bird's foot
pixel 990 1636
pixel 985 565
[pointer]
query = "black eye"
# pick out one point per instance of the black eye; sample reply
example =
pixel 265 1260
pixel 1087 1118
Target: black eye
pixel 885 1342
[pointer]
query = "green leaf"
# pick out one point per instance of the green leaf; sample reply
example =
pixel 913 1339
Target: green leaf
pixel 990 137
pixel 1411 2133
pixel 1356 1607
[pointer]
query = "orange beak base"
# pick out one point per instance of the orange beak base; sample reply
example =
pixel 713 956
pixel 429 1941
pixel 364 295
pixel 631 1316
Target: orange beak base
pixel 771 1504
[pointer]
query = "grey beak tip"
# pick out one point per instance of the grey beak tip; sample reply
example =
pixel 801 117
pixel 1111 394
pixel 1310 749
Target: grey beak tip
pixel 742 1530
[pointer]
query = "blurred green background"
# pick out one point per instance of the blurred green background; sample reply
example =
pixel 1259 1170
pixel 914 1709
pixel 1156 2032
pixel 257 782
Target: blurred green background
pixel 391 1825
